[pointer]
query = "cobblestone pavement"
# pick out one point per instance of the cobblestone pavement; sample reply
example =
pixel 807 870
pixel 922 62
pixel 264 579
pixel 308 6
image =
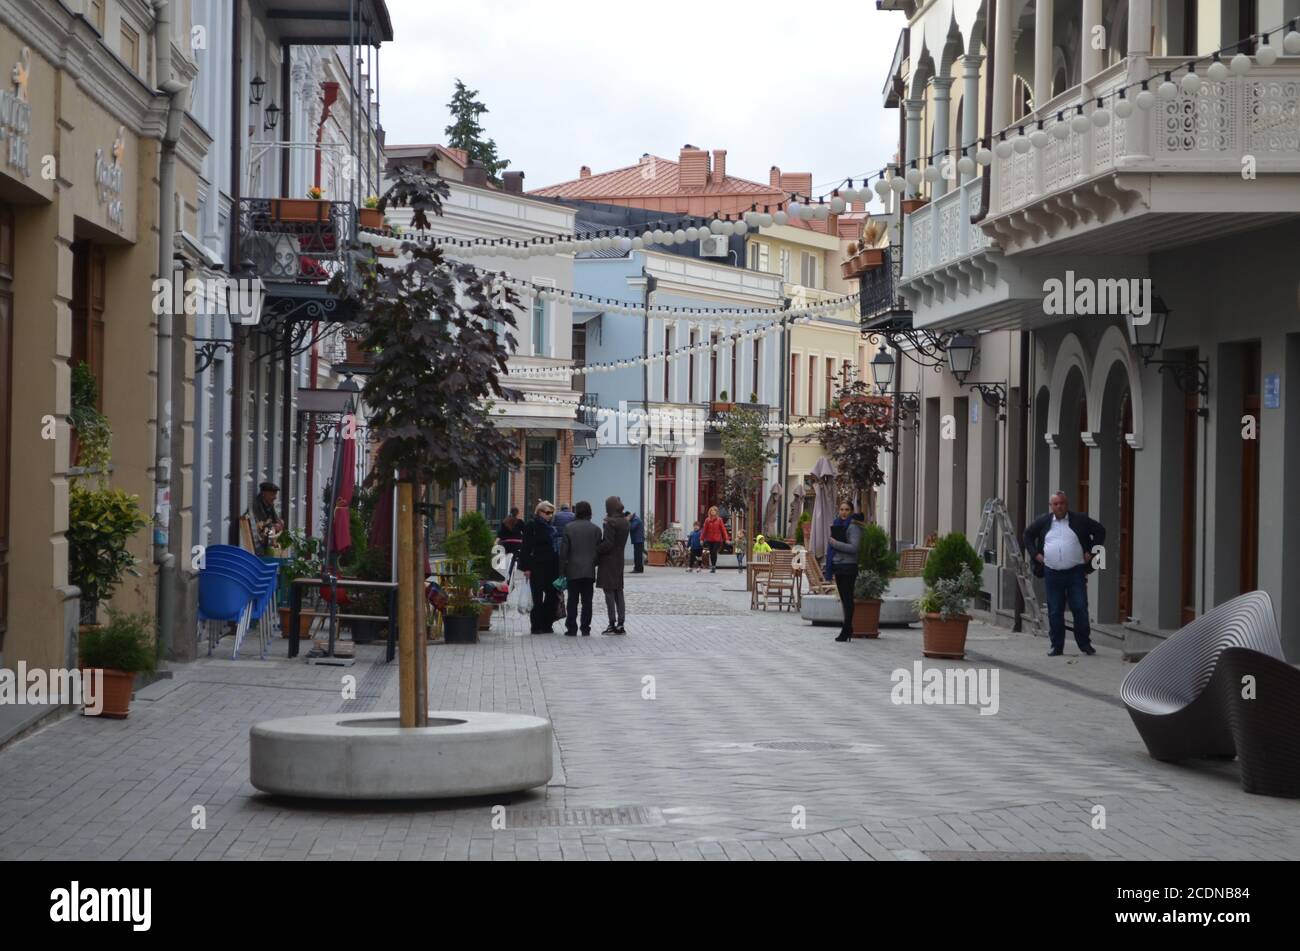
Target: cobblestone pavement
pixel 765 739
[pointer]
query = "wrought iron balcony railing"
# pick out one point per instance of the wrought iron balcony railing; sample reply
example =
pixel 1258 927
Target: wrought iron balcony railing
pixel 296 241
pixel 879 286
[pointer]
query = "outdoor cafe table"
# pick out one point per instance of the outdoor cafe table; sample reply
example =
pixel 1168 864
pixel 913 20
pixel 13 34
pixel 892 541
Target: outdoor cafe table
pixel 755 568
pixel 354 584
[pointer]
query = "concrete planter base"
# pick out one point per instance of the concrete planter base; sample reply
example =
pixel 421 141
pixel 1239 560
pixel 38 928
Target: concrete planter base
pixel 368 756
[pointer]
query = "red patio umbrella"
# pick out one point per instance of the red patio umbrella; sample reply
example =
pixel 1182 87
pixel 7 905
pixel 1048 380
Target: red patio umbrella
pixel 341 539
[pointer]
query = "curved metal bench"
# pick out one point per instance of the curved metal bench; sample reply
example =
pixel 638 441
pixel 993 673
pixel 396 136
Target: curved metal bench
pixel 1185 697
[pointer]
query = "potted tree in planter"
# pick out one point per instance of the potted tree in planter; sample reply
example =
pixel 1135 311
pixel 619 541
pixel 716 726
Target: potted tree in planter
pixel 117 652
pixel 101 521
pixel 304 561
pixel 656 554
pixel 461 616
pixel 478 533
pixel 952 574
pixel 876 565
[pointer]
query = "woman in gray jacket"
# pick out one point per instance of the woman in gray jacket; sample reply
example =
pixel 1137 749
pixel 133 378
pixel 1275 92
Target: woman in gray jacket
pixel 842 561
pixel 578 551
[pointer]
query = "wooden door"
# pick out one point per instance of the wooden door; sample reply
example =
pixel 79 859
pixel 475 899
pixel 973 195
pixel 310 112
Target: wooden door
pixel 1080 501
pixel 88 279
pixel 1126 464
pixel 1249 559
pixel 1191 418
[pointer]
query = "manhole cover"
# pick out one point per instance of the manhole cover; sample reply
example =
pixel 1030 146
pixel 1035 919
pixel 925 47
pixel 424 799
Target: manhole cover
pixel 552 818
pixel 803 746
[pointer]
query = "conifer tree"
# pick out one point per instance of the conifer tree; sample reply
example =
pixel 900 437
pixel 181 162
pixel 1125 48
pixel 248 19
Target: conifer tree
pixel 466 132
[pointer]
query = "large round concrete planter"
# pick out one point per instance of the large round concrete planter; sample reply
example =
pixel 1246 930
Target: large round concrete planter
pixel 866 618
pixel 368 756
pixel 945 638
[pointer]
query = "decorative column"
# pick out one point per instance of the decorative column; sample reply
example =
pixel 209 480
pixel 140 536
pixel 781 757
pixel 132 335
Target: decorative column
pixel 1137 141
pixel 970 108
pixel 942 112
pixel 1004 56
pixel 1091 59
pixel 1043 46
pixel 915 110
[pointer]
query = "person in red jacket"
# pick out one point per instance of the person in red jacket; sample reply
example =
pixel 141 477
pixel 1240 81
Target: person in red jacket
pixel 714 536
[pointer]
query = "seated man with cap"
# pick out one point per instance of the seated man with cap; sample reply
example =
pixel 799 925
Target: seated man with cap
pixel 267 521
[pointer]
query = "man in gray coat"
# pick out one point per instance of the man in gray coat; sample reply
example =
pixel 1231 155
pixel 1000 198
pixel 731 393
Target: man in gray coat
pixel 578 552
pixel 609 566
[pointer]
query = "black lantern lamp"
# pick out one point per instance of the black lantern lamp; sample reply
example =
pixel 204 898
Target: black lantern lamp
pixel 256 88
pixel 1146 335
pixel 882 371
pixel 961 356
pixel 589 445
pixel 272 117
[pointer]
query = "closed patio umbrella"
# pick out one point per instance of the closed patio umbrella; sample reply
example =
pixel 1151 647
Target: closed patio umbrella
pixel 823 508
pixel 773 511
pixel 796 506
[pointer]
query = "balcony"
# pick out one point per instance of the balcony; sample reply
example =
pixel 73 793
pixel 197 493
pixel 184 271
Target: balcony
pixel 940 234
pixel 296 241
pixel 1161 178
pixel 879 292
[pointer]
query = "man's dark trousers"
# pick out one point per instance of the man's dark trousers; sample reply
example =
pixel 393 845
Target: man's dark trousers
pixel 582 588
pixel 638 557
pixel 1072 586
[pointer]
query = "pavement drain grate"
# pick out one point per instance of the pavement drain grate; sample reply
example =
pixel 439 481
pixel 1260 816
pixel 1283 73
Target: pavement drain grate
pixel 1009 856
pixel 803 746
pixel 553 818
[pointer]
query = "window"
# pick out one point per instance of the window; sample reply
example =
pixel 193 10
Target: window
pixel 579 356
pixel 830 382
pixel 758 359
pixel 88 276
pixel 668 361
pixel 759 258
pixel 690 382
pixel 808 272
pixel 794 373
pixel 735 362
pixel 541 332
pixel 539 472
pixel 665 493
pixel 494 497
pixel 129 49
pixel 713 367
pixel 95 14
pixel 812 383
pixel 785 265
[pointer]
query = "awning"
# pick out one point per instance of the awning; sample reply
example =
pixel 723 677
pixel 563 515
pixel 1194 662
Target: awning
pixel 540 422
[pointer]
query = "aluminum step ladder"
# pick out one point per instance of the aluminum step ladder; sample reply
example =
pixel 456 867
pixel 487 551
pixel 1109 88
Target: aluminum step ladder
pixel 996 517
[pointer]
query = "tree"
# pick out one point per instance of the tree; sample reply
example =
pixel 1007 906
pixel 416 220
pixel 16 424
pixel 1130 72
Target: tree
pixel 856 443
pixel 745 449
pixel 466 133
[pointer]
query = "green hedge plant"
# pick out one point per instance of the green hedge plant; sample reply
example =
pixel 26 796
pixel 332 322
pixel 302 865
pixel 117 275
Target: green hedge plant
pixel 869 586
pixel 100 523
pixel 951 553
pixel 125 644
pixel 875 554
pixel 950 597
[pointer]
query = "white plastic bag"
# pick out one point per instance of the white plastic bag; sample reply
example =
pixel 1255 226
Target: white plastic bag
pixel 524 597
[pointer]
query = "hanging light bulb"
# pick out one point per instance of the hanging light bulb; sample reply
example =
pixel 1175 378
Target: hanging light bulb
pixel 780 218
pixel 679 236
pixel 715 226
pixel 1124 108
pixel 1038 138
pixel 1216 72
pixel 765 220
pixel 1021 142
pixel 1190 83
pixel 984 156
pixel 1080 122
pixel 1266 55
pixel 739 227
pixel 837 205
pixel 727 228
pixel 1291 42
pixel 966 165
pixel 913 176
pixel 1240 65
pixel 1003 148
pixel 931 173
pixel 1167 90
pixel 1146 98
pixel 1100 116
pixel 638 244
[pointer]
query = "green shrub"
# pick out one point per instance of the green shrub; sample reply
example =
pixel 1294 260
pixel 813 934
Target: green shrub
pixel 950 597
pixel 949 556
pixel 479 535
pixel 125 643
pixel 874 553
pixel 869 586
pixel 100 523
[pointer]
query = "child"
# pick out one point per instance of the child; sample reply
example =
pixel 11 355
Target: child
pixel 761 547
pixel 740 550
pixel 697 548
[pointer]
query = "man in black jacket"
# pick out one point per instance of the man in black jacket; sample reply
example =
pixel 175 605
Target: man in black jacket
pixel 1060 546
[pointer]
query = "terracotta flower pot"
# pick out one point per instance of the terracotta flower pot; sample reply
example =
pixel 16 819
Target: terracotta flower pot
pixel 117 686
pixel 485 618
pixel 304 624
pixel 945 638
pixel 656 557
pixel 720 407
pixel 866 618
pixel 912 204
pixel 371 218
pixel 300 209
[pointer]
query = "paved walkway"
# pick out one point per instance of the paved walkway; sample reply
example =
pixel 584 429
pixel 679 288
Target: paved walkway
pixel 765 739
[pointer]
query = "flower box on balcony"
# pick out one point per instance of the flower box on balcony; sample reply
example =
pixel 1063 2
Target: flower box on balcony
pixel 354 354
pixel 862 262
pixel 912 204
pixel 717 408
pixel 300 209
pixel 372 218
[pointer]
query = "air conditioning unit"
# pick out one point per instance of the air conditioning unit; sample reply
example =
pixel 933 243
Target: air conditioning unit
pixel 714 246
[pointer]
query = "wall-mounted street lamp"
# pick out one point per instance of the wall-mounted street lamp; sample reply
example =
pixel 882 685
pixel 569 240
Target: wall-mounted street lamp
pixel 590 446
pixel 961 361
pixel 1148 337
pixel 255 90
pixel 272 117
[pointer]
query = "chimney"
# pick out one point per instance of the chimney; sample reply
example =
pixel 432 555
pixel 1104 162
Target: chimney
pixel 719 164
pixel 858 207
pixel 694 167
pixel 514 182
pixel 774 177
pixel 800 182
pixel 584 172
pixel 476 175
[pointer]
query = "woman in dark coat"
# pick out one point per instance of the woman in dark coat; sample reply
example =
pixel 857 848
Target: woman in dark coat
pixel 609 564
pixel 540 564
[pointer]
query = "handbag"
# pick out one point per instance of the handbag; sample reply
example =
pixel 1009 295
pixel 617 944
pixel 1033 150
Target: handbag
pixel 560 612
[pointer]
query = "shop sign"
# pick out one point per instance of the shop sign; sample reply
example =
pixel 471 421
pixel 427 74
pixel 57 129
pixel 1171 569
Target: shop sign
pixel 108 177
pixel 16 115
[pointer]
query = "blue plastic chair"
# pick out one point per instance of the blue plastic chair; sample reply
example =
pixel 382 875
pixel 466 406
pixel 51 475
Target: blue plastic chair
pixel 260 575
pixel 223 596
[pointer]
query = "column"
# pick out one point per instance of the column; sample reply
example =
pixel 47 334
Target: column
pixel 915 109
pixel 1139 50
pixel 1004 55
pixel 1043 46
pixel 942 112
pixel 970 108
pixel 1092 60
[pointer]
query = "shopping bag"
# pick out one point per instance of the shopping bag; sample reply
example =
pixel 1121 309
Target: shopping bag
pixel 560 612
pixel 561 584
pixel 524 602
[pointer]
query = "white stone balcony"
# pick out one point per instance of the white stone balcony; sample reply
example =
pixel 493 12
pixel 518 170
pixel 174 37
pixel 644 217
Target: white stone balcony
pixel 1159 178
pixel 940 234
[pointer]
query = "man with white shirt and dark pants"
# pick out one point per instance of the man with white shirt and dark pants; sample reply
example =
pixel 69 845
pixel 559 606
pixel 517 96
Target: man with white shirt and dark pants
pixel 1061 545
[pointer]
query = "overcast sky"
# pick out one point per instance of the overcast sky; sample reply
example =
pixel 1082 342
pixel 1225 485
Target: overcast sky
pixel 598 82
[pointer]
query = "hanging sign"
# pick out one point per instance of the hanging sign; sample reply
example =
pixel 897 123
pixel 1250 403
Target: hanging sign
pixel 16 115
pixel 108 177
pixel 1272 391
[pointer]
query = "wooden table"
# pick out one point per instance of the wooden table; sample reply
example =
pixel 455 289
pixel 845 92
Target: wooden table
pixel 753 570
pixel 354 584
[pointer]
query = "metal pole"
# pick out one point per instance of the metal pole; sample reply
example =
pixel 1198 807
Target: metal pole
pixel 232 264
pixel 286 428
pixel 406 647
pixel 1022 464
pixel 893 464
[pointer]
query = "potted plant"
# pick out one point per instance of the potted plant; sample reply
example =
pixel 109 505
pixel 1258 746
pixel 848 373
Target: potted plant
pixel 952 574
pixel 876 565
pixel 91 435
pixel 800 535
pixel 117 652
pixel 371 214
pixel 304 561
pixel 461 616
pixel 722 404
pixel 913 204
pixel 101 521
pixel 311 208
pixel 656 555
pixel 481 540
pixel 753 398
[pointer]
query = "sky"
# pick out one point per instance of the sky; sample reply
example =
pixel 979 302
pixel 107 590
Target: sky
pixel 575 82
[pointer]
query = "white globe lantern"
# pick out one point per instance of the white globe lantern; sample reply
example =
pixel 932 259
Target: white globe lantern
pixel 881 187
pixel 1145 100
pixel 780 218
pixel 1080 122
pixel 1061 129
pixel 1101 118
pixel 1167 91
pixel 1124 108
pixel 1190 83
pixel 913 176
pixel 1240 65
pixel 1216 72
pixel 838 205
pixel 966 165
pixel 1291 43
pixel 1266 55
pixel 1039 139
pixel 1021 144
pixel 984 156
pixel 679 236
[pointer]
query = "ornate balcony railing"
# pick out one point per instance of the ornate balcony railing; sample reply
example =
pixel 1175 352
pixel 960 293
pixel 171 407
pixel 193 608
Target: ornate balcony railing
pixel 587 412
pixel 296 241
pixel 941 232
pixel 878 287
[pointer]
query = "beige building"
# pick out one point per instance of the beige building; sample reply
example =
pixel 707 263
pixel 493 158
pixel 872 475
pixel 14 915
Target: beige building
pixel 83 124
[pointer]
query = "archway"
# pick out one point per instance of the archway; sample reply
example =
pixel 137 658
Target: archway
pixel 1115 496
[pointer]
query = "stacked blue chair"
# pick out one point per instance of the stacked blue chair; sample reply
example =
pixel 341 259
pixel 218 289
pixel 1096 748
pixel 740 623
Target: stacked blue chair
pixel 236 570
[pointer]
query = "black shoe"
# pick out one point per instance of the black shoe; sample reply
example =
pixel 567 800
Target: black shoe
pixel 844 638
pixel 610 630
pixel 570 633
pixel 1054 653
pixel 587 633
pixel 619 630
pixel 1088 650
